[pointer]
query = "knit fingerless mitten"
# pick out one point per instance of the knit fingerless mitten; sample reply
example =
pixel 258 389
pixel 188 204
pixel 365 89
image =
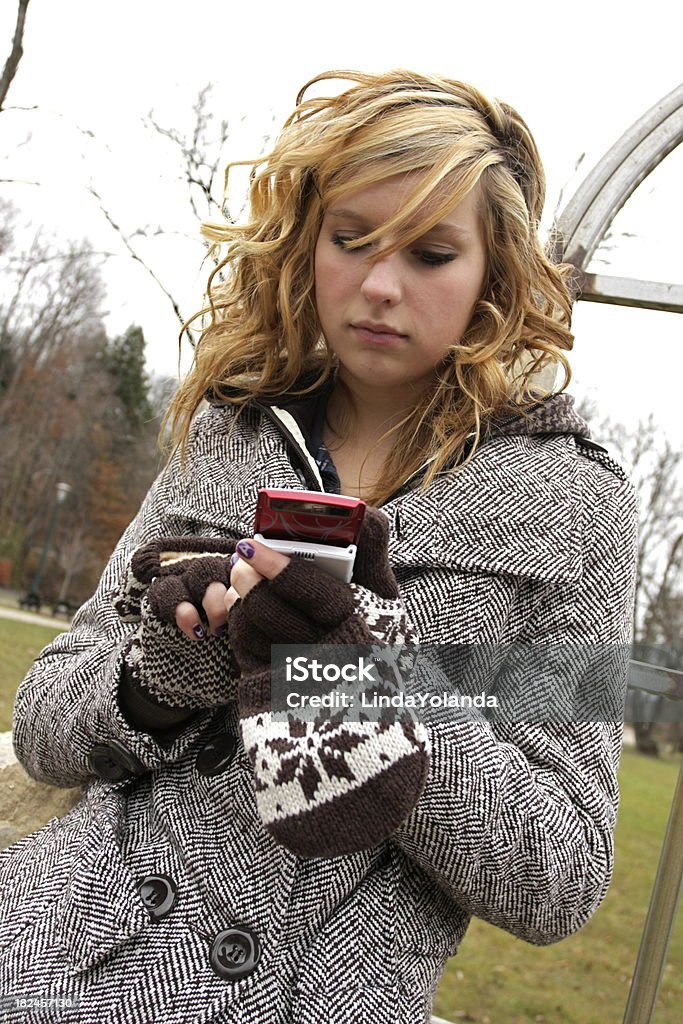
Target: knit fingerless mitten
pixel 167 677
pixel 339 783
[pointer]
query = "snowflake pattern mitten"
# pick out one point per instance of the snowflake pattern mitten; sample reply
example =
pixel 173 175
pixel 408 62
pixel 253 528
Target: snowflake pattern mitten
pixel 338 783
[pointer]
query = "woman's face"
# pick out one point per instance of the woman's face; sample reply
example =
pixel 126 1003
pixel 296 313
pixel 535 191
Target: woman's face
pixel 391 322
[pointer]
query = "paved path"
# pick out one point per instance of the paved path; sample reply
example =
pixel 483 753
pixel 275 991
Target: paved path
pixel 32 618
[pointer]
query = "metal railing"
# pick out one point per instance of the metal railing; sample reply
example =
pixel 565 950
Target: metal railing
pixel 666 891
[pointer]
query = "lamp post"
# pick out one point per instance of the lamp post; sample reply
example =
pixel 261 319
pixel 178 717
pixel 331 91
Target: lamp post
pixel 32 599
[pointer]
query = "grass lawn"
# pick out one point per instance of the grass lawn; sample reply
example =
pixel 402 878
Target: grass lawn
pixel 20 642
pixel 495 978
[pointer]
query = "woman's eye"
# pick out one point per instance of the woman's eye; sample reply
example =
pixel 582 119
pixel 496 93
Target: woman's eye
pixel 343 241
pixel 433 259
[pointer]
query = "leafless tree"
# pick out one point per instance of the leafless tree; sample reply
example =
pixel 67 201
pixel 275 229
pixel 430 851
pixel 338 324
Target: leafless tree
pixel 201 156
pixel 128 241
pixel 65 397
pixel 656 468
pixel 16 53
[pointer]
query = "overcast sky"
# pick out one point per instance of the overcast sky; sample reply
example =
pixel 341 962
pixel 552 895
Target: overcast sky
pixel 579 77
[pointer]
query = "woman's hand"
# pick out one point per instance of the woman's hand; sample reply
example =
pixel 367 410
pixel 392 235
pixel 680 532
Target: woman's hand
pixel 209 601
pixel 251 563
pixel 255 562
pixel 272 599
pixel 331 784
pixel 165 667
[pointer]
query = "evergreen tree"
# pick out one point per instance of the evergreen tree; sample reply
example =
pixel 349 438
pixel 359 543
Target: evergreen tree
pixel 125 362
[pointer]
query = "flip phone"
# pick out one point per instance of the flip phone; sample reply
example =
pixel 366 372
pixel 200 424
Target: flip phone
pixel 320 527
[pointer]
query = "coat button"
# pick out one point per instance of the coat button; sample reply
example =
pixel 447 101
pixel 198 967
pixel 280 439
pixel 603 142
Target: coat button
pixel 113 762
pixel 215 756
pixel 158 893
pixel 235 953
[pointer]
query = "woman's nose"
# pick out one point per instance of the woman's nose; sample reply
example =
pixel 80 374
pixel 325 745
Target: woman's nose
pixel 382 281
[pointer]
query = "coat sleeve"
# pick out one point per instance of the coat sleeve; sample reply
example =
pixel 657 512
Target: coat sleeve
pixel 69 701
pixel 516 821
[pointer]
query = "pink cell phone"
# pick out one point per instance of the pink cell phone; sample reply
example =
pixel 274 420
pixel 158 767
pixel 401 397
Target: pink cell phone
pixel 323 528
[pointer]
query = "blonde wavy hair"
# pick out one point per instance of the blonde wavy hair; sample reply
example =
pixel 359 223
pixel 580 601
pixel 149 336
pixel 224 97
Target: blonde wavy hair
pixel 263 334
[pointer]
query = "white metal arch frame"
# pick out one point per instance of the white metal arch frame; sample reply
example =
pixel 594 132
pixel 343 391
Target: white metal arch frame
pixel 584 221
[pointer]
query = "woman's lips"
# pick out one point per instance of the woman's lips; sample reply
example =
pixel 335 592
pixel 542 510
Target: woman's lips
pixel 377 334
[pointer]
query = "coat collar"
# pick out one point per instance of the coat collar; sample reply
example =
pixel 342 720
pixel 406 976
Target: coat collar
pixel 517 508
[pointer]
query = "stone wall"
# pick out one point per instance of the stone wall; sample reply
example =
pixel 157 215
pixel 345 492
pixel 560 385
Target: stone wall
pixel 26 805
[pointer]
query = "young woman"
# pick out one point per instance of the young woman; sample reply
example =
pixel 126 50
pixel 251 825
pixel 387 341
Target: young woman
pixel 376 329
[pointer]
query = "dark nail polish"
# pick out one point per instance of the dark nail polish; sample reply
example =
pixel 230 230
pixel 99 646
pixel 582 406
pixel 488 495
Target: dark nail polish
pixel 234 559
pixel 198 631
pixel 246 549
pixel 220 630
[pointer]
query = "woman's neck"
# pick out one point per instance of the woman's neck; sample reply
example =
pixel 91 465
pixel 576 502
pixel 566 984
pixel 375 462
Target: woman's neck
pixel 354 435
pixel 359 416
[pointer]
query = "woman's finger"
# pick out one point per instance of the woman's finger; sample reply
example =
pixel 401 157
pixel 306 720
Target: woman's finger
pixel 188 621
pixel 231 596
pixel 213 604
pixel 264 560
pixel 244 578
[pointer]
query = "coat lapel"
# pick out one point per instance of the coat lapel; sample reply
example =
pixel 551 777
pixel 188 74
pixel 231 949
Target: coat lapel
pixel 514 509
pixel 227 470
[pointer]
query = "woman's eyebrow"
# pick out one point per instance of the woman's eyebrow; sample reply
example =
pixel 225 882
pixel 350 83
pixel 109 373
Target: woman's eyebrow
pixel 441 230
pixel 347 215
pixel 446 230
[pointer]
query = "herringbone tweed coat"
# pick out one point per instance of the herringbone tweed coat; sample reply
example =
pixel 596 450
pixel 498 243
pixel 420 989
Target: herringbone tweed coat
pixel 534 541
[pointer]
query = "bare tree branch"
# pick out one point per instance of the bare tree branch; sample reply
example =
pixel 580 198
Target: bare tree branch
pixel 17 52
pixel 24 260
pixel 200 172
pixel 138 259
pixel 200 169
pixel 656 470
